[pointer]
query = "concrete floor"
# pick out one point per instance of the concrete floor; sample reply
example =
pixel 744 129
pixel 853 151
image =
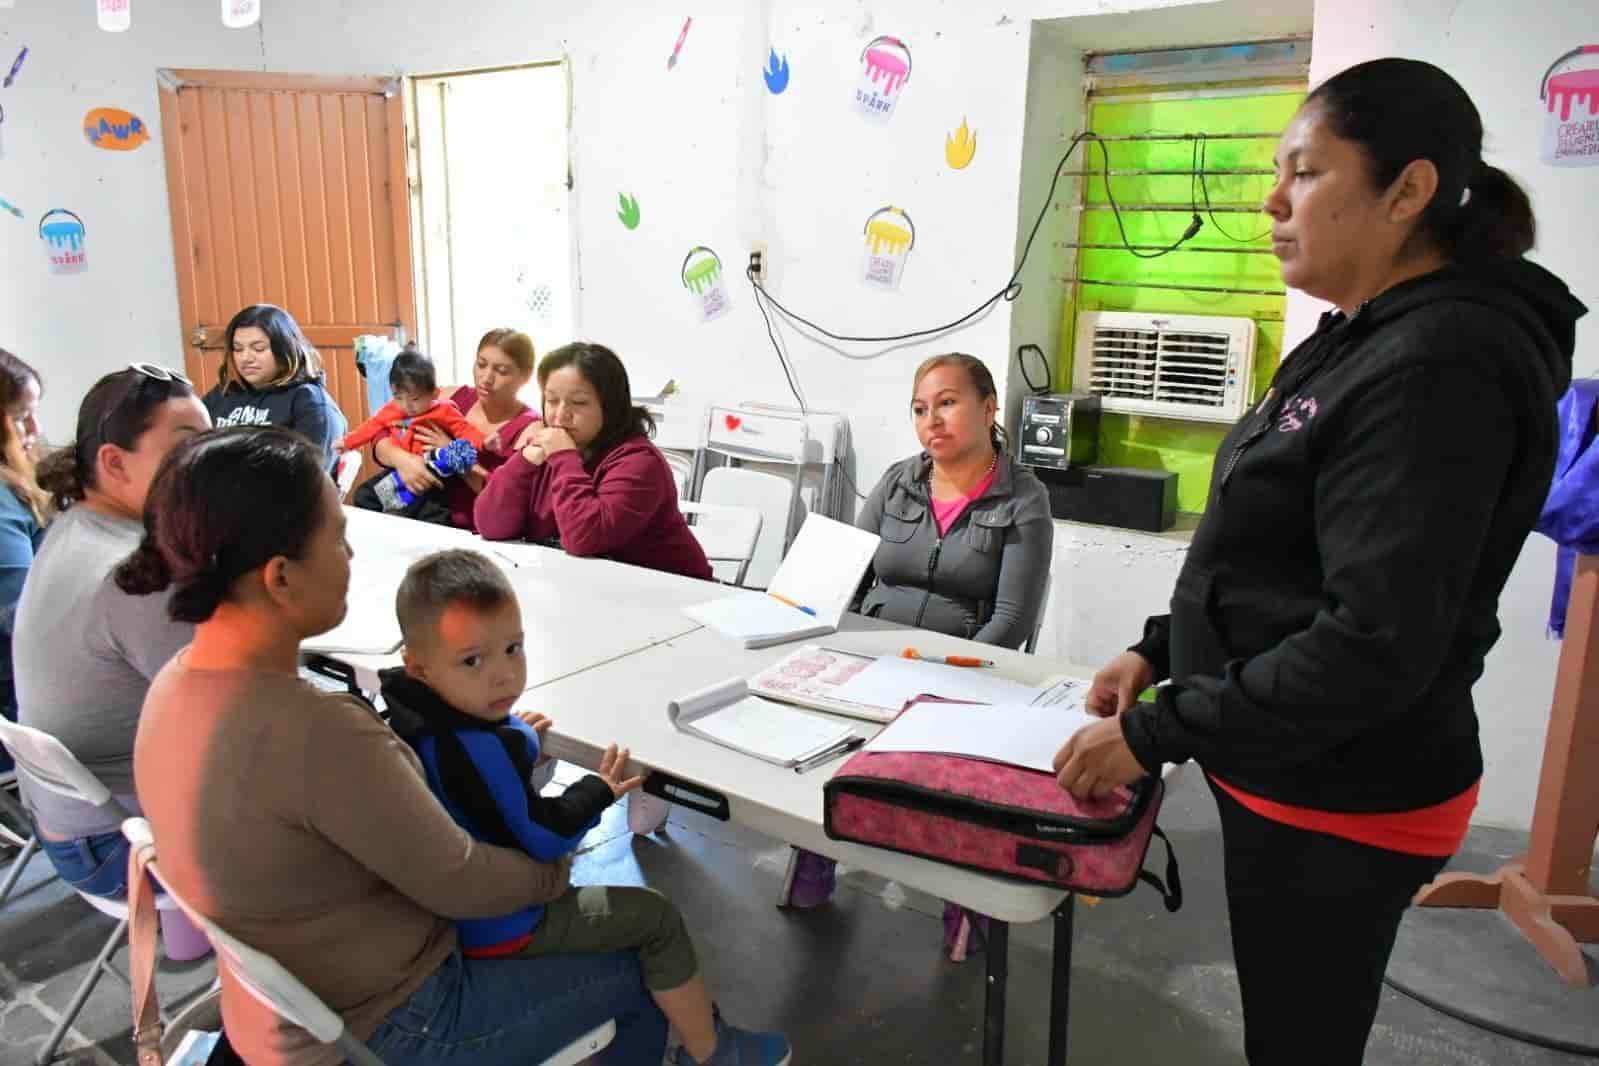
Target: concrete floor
pixel 859 982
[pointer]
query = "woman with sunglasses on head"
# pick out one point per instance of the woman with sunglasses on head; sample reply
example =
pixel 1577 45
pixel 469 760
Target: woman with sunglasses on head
pixel 24 510
pixel 271 376
pixel 84 651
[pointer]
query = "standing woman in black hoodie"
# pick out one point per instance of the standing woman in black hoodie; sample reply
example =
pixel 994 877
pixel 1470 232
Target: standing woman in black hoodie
pixel 1342 590
pixel 271 376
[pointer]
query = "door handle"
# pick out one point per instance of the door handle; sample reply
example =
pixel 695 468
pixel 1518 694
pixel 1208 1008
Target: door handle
pixel 198 337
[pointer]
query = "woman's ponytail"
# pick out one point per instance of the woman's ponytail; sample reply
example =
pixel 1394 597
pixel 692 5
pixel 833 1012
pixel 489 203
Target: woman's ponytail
pixel 1495 222
pixel 59 475
pixel 145 572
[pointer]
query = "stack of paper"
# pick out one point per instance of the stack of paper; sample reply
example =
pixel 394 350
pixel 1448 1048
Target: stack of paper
pixel 1017 734
pixel 893 681
pixel 728 715
pixel 809 593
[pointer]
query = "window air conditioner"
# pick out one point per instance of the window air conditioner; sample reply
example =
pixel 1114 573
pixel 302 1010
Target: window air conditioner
pixel 1195 367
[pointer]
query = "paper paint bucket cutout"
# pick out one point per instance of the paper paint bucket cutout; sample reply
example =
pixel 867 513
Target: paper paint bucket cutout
pixel 890 235
pixel 114 16
pixel 702 276
pixel 64 236
pixel 1571 110
pixel 885 71
pixel 237 14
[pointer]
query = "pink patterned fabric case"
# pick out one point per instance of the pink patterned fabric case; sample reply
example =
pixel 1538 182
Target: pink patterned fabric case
pixel 999 819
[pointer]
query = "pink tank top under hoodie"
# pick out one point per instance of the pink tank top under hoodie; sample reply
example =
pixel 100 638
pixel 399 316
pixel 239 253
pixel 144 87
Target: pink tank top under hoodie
pixel 945 512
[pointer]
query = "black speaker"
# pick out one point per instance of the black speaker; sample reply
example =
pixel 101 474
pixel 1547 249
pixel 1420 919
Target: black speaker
pixel 1113 496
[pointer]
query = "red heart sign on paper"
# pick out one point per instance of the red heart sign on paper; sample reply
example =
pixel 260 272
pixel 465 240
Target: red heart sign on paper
pixel 733 422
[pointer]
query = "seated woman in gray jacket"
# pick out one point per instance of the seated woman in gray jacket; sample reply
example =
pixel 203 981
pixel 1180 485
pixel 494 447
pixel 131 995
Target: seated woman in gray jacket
pixel 967 538
pixel 966 529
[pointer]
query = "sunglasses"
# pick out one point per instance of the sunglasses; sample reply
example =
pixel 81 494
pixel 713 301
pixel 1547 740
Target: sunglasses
pixel 142 373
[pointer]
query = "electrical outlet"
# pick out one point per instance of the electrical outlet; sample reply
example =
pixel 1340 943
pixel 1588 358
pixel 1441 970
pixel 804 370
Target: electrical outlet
pixel 757 268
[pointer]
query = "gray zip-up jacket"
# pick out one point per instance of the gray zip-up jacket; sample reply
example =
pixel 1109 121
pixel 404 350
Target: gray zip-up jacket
pixel 984 580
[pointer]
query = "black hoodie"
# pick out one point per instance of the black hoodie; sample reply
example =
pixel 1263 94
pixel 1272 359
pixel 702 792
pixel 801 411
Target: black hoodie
pixel 303 406
pixel 1341 592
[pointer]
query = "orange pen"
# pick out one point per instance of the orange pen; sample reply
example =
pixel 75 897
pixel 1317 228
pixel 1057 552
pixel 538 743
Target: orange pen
pixel 947 660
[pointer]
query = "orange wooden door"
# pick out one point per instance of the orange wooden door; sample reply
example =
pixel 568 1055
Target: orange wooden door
pixel 290 190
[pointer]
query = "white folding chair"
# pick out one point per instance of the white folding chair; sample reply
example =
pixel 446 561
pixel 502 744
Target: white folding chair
pixel 44 761
pixel 27 844
pixel 726 533
pixel 769 496
pixel 265 978
pixel 349 468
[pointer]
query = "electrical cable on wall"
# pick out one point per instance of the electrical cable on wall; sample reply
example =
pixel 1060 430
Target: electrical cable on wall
pixel 1214 221
pixel 1011 290
pixel 1021 364
pixel 1013 287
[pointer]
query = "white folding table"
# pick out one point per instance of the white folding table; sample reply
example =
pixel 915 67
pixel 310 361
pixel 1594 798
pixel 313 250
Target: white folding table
pixel 624 702
pixel 577 613
pixel 607 648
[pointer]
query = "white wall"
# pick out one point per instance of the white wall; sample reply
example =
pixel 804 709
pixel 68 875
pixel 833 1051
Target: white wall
pixel 712 156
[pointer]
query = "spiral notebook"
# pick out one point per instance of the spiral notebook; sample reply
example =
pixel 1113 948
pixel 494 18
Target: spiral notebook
pixel 728 715
pixel 809 593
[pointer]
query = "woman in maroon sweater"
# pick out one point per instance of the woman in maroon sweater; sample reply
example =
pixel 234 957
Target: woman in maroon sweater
pixel 589 475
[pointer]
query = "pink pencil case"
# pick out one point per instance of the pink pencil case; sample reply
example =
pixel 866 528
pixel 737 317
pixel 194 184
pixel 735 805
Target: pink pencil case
pixel 1000 819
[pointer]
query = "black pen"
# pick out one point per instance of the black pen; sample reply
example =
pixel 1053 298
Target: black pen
pixel 830 754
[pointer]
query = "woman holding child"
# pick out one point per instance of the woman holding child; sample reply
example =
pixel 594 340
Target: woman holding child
pixel 501 369
pixel 589 475
pixel 297 820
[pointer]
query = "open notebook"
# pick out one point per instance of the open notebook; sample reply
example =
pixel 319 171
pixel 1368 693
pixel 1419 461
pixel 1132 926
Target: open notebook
pixel 819 574
pixel 874 688
pixel 728 715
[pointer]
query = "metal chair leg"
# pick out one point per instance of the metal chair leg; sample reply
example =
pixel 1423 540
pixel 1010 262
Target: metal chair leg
pixel 14 873
pixel 81 996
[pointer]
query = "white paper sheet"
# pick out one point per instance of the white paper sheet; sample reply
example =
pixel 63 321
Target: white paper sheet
pixel 1017 734
pixel 891 681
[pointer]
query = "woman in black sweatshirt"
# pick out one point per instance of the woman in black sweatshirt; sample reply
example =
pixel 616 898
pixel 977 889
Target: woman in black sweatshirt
pixel 1342 590
pixel 271 376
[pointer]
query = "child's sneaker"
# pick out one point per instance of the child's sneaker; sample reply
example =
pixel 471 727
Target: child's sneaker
pixel 813 880
pixel 739 1047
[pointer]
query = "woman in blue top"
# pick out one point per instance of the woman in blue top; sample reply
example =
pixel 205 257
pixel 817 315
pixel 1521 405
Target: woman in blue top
pixel 271 376
pixel 24 509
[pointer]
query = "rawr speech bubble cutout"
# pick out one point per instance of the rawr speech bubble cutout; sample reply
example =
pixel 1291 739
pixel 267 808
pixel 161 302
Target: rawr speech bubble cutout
pixel 114 129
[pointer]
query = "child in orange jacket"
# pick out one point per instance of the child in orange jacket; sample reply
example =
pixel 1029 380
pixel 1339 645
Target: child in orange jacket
pixel 416 402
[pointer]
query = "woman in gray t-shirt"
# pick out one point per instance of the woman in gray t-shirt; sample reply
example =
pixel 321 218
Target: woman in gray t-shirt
pixel 84 652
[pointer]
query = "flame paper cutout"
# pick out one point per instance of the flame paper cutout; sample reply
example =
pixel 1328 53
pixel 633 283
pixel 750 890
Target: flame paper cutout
pixel 960 147
pixel 776 73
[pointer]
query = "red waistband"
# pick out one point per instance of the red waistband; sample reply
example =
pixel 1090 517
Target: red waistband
pixel 1435 831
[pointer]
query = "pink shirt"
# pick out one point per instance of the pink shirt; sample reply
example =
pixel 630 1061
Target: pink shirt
pixel 946 511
